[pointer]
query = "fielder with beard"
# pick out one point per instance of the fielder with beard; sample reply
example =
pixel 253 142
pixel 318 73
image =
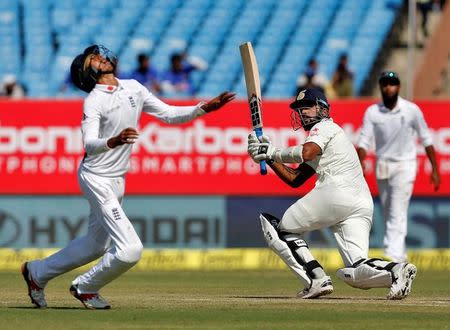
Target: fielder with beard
pixel 393 125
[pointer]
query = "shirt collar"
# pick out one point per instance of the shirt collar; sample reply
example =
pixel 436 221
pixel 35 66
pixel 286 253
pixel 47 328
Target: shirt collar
pixel 397 108
pixel 108 88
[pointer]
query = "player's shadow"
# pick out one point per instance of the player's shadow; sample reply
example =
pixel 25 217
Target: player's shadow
pixel 55 307
pixel 320 298
pixel 262 297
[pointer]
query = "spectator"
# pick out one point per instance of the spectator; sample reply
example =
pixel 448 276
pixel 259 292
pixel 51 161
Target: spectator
pixel 146 74
pixel 312 78
pixel 424 7
pixel 11 87
pixel 343 78
pixel 176 79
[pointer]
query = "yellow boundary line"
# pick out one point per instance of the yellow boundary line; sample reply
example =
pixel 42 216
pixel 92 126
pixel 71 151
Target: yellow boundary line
pixel 228 259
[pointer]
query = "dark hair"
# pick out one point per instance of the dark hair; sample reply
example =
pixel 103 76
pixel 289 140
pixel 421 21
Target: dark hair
pixel 142 57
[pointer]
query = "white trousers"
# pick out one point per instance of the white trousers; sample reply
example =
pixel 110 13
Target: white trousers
pixel 347 212
pixel 110 234
pixel 395 187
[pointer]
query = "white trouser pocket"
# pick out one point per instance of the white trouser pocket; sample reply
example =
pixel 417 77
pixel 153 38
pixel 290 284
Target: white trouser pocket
pixel 382 170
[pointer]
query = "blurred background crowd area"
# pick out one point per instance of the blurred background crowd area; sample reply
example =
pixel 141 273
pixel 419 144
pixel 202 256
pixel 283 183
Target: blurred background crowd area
pixel 189 48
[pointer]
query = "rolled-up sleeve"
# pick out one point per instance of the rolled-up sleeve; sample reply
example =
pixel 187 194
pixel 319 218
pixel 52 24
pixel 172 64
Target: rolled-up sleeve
pixel 366 134
pixel 167 113
pixel 90 127
pixel 422 129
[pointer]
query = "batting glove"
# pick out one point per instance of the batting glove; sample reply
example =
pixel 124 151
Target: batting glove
pixel 260 150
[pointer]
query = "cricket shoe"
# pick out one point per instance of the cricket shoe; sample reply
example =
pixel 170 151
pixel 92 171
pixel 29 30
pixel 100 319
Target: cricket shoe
pixel 402 280
pixel 35 292
pixel 89 300
pixel 319 287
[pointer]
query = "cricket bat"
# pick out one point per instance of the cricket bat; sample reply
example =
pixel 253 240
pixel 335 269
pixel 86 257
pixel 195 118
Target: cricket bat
pixel 251 74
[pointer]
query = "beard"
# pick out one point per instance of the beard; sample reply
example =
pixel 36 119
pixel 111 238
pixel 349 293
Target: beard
pixel 390 100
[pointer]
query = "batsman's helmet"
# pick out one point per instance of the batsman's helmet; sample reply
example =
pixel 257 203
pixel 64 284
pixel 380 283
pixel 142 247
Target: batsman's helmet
pixel 83 75
pixel 308 98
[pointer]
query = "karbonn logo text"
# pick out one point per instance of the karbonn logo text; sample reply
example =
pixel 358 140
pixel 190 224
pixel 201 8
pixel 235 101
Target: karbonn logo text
pixel 156 139
pixel 153 139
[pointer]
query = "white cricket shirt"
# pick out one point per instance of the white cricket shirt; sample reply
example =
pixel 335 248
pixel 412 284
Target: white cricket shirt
pixel 394 131
pixel 108 110
pixel 338 164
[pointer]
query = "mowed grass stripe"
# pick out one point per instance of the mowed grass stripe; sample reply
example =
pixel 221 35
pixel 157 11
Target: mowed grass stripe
pixel 225 300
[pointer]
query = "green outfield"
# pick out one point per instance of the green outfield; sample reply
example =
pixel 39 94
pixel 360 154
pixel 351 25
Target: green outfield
pixel 226 300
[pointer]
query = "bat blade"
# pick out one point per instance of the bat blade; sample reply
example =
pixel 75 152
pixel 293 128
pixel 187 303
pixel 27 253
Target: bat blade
pixel 251 74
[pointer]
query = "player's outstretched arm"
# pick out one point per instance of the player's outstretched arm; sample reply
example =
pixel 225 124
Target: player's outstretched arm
pixel 218 102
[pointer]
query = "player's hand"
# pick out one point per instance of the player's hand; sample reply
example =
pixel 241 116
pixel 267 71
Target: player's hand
pixel 218 102
pixel 259 150
pixel 435 179
pixel 128 136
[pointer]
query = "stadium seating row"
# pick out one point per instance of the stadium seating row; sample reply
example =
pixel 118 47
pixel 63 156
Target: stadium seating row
pixel 39 38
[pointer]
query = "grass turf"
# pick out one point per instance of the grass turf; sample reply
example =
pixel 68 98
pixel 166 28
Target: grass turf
pixel 225 300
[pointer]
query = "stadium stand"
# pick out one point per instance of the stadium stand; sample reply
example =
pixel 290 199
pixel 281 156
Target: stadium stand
pixel 39 38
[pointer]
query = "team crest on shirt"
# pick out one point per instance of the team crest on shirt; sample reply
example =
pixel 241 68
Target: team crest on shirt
pixel 132 102
pixel 314 131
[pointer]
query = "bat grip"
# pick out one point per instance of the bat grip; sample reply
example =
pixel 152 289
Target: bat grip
pixel 262 164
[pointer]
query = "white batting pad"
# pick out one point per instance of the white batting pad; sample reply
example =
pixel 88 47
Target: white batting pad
pixel 283 251
pixel 365 277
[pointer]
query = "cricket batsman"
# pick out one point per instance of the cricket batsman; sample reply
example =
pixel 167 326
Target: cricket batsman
pixel 340 200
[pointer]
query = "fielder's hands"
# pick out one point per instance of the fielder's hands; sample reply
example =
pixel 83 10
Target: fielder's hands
pixel 218 102
pixel 260 150
pixel 435 179
pixel 128 136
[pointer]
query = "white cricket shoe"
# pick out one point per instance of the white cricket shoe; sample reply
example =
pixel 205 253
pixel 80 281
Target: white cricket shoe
pixel 404 275
pixel 89 300
pixel 319 287
pixel 35 292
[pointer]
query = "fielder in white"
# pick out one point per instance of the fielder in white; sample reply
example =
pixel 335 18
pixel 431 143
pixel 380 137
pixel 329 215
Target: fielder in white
pixel 394 125
pixel 340 200
pixel 111 114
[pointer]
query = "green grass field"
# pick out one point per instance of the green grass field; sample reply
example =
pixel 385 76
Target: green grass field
pixel 226 300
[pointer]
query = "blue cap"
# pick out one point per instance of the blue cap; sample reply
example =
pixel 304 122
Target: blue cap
pixel 309 97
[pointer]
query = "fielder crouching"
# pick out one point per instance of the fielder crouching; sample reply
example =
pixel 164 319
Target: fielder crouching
pixel 111 113
pixel 340 200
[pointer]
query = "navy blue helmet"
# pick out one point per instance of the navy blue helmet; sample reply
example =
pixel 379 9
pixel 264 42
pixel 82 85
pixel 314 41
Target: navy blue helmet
pixel 305 99
pixel 82 74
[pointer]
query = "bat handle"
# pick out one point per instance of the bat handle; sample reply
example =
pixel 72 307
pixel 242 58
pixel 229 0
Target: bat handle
pixel 262 164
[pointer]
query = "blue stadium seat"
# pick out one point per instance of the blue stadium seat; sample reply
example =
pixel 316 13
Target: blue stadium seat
pixel 42 36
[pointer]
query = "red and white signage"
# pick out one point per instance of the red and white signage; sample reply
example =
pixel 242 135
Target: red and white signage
pixel 40 149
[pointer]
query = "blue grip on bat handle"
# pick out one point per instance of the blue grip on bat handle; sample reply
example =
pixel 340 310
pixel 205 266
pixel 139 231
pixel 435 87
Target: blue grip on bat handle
pixel 262 164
